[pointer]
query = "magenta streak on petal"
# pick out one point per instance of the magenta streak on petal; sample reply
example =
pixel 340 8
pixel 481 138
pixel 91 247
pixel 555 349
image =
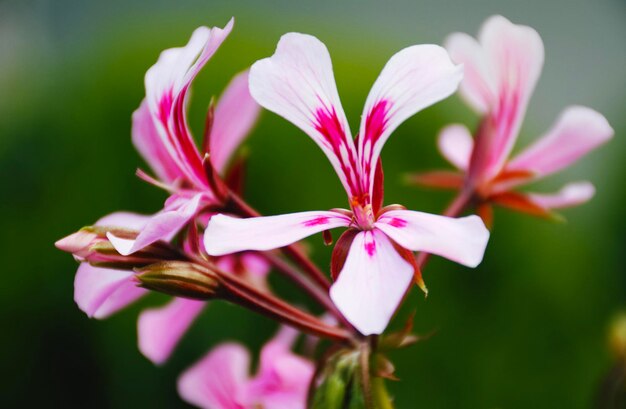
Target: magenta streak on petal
pixel 370 246
pixel 375 125
pixel 329 126
pixel 396 222
pixel 318 221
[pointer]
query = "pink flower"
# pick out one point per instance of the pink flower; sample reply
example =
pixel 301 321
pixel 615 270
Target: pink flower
pixel 501 70
pixel 160 133
pixel 221 379
pixel 297 83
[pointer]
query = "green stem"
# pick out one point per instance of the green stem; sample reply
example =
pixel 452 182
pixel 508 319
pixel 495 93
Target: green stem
pixel 381 397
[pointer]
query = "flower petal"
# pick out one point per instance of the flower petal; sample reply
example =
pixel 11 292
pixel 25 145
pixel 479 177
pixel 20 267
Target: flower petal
pixel 283 379
pixel 235 115
pixel 502 73
pixel 167 86
pixel 100 292
pixel 413 79
pixel 297 83
pixel 214 381
pixel 572 194
pixel 162 226
pixel 148 143
pixel 225 234
pixel 160 329
pixel 462 240
pixel 372 283
pixel 455 144
pixel 577 131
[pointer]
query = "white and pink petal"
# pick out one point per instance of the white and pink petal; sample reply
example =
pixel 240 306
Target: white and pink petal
pixel 577 131
pixel 226 234
pixel 572 194
pixel 297 83
pixel 458 239
pixel 372 282
pixel 455 143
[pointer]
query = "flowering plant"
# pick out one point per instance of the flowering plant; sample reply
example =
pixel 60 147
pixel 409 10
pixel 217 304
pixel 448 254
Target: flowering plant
pixel 208 243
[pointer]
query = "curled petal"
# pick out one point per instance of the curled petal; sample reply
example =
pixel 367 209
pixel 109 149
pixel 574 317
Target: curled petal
pixel 297 83
pixel 162 226
pixel 167 86
pixel 150 146
pixel 160 329
pixel 577 131
pixel 413 79
pixel 372 282
pixel 235 115
pixel 455 144
pixel 225 234
pixel 215 381
pixel 572 194
pixel 462 240
pixel 100 292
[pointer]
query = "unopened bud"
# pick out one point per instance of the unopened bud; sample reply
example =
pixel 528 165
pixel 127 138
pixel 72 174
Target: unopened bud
pixel 180 279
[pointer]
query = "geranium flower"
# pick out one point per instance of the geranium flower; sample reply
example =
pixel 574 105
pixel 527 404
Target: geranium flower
pixel 501 70
pixel 221 379
pixel 161 135
pixel 373 258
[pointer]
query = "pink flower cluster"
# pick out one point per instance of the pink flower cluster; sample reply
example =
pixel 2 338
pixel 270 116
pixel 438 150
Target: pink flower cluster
pixel 204 222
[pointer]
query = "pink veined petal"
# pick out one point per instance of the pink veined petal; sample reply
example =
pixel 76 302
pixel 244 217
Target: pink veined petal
pixel 372 282
pixel 235 115
pixel 215 381
pixel 462 240
pixel 572 194
pixel 516 54
pixel 478 87
pixel 413 79
pixel 167 85
pixel 297 83
pixel 160 329
pixel 100 292
pixel 149 144
pixel 162 226
pixel 577 131
pixel 283 378
pixel 455 143
pixel 225 234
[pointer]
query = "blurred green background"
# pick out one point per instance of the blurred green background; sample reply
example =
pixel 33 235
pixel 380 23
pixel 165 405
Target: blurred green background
pixel 525 329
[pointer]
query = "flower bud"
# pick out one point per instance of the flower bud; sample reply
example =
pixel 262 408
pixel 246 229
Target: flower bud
pixel 180 279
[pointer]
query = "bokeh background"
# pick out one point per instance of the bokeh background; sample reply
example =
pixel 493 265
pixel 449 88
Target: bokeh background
pixel 527 328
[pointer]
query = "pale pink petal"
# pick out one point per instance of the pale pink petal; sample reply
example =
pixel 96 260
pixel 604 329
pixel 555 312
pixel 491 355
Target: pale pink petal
pixel 455 144
pixel 577 131
pixel 160 329
pixel 283 378
pixel 413 79
pixel 215 381
pixel 516 54
pixel 167 85
pixel 235 115
pixel 162 226
pixel 147 141
pixel 225 234
pixel 297 83
pixel 100 292
pixel 462 240
pixel 127 220
pixel 255 264
pixel 478 87
pixel 572 194
pixel 372 282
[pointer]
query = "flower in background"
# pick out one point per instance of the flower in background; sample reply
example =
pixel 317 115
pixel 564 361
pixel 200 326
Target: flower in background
pixel 501 70
pixel 221 380
pixel 161 135
pixel 372 262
